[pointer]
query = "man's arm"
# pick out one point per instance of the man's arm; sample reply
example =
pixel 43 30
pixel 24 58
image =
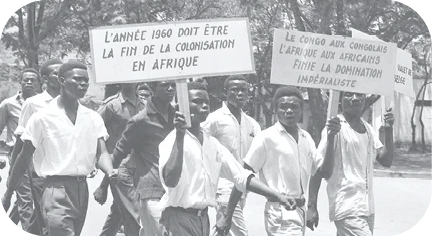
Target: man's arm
pixel 223 225
pixel 234 198
pixel 127 142
pixel 104 161
pixel 333 127
pixel 385 158
pixel 105 113
pixel 16 150
pixel 312 214
pixel 171 171
pixel 21 165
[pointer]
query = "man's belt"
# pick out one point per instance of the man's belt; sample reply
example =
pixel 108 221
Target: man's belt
pixel 300 202
pixel 193 211
pixel 67 178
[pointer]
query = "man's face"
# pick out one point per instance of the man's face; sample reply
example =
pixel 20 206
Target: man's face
pixel 289 110
pixel 237 93
pixel 353 103
pixel 29 81
pixel 75 82
pixel 165 90
pixel 128 86
pixel 52 79
pixel 143 94
pixel 198 105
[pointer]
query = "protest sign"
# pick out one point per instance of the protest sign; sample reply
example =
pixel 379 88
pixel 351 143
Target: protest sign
pixel 173 50
pixel 403 77
pixel 332 62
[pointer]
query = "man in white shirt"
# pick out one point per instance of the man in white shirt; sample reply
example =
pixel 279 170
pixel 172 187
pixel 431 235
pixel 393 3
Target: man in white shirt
pixel 350 188
pixel 67 140
pixel 234 130
pixel 10 110
pixel 49 74
pixel 190 164
pixel 285 157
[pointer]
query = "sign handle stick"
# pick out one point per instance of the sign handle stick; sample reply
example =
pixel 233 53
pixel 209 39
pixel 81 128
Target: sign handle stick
pixel 333 105
pixel 183 100
pixel 377 112
pixel 386 102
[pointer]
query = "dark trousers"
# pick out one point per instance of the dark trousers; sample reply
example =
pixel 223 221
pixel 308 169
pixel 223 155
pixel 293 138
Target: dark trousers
pixel 64 206
pixel 176 222
pixel 37 222
pixel 124 210
pixel 113 221
pixel 24 202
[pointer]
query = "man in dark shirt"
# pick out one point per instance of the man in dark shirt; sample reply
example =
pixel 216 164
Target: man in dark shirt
pixel 116 111
pixel 141 139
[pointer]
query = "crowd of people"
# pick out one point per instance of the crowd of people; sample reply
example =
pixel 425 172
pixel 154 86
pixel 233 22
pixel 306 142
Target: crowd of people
pixel 164 174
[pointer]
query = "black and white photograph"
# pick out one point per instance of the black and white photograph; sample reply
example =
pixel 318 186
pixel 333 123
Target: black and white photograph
pixel 215 118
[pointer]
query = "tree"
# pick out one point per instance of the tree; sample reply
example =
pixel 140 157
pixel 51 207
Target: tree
pixel 31 26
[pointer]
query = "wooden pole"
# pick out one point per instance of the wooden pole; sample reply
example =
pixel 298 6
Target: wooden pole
pixel 333 106
pixel 183 100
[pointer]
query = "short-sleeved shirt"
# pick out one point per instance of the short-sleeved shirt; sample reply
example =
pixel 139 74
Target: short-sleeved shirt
pixel 10 110
pixel 237 138
pixel 31 106
pixel 116 111
pixel 202 166
pixel 350 188
pixel 61 147
pixel 141 139
pixel 284 164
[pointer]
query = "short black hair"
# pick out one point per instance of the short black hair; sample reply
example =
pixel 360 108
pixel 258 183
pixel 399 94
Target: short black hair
pixel 30 70
pixel 233 77
pixel 287 91
pixel 143 86
pixel 70 66
pixel 196 86
pixel 45 70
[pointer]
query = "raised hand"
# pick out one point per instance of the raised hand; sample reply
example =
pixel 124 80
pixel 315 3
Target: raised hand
pixel 333 126
pixel 180 123
pixel 389 117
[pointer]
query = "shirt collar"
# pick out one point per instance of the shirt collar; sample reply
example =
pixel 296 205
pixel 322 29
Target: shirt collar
pixel 123 99
pixel 282 129
pixel 226 110
pixel 54 105
pixel 342 119
pixel 46 96
pixel 151 109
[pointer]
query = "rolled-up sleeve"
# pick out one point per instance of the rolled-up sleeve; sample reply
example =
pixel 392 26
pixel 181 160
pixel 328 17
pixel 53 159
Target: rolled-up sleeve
pixel 100 128
pixel 33 130
pixel 257 154
pixel 27 111
pixel 165 148
pixel 314 155
pixel 232 169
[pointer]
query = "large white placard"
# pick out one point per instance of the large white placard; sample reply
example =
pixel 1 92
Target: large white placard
pixel 332 62
pixel 171 50
pixel 403 77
